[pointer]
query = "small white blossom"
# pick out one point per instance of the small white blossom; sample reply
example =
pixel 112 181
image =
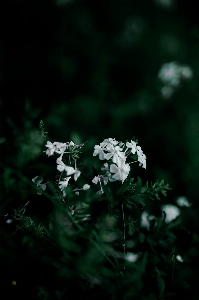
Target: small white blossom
pixel 142 161
pixel 145 218
pixel 132 257
pixel 132 145
pixel 141 157
pixel 64 183
pixel 86 187
pixel 71 144
pixel 170 73
pixel 139 151
pixel 100 178
pixel 179 258
pixel 171 211
pixel 104 179
pixel 108 173
pixel 60 147
pixel 105 168
pixel 76 174
pixel 186 72
pixel 96 179
pixel 100 151
pixel 107 142
pixel 114 152
pixel 60 165
pixel 70 170
pixel 121 170
pixel 9 221
pixel 51 148
pixel 183 201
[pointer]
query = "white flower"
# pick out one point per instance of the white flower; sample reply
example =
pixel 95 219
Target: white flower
pixel 9 221
pixel 96 179
pixel 76 174
pixel 142 161
pixel 108 141
pixel 132 145
pixel 100 178
pixel 64 183
pixel 60 165
pixel 145 218
pixel 170 74
pixel 141 157
pixel 98 150
pixel 114 152
pixel 121 170
pixel 132 257
pixel 171 211
pixel 70 170
pixel 139 151
pixel 51 148
pixel 144 222
pixel 183 201
pixel 108 173
pixel 179 258
pixel 60 147
pixel 86 187
pixel 186 72
pixel 71 144
pixel 104 179
pixel 105 168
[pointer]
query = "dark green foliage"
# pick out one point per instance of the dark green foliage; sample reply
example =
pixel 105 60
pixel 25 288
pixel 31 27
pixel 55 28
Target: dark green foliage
pixel 89 70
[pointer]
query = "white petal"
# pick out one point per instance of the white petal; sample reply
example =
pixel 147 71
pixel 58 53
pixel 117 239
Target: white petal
pixel 76 175
pixel 69 170
pixel 113 168
pixel 95 180
pixel 101 155
pixel 60 168
pixel 126 168
pixel 108 156
pixel 86 187
pixel 117 176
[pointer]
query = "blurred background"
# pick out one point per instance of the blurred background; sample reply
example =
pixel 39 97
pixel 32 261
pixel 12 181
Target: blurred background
pixel 97 69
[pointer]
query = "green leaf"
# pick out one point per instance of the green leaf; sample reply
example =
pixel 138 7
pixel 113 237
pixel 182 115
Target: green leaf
pixel 161 286
pixel 37 179
pixel 143 189
pixel 141 237
pixel 26 239
pixel 143 263
pixel 138 185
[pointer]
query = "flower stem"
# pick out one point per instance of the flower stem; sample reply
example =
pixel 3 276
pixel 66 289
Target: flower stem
pixel 124 232
pixel 173 259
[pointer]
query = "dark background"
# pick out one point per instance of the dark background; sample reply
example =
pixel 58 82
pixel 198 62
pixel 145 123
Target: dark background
pixel 89 70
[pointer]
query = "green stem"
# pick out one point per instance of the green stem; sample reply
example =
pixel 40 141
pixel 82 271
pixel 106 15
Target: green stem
pixel 173 259
pixel 124 232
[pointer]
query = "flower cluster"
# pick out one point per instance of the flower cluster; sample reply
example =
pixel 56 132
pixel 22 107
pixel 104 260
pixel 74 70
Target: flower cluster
pixel 60 148
pixel 117 167
pixel 114 150
pixel 172 73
